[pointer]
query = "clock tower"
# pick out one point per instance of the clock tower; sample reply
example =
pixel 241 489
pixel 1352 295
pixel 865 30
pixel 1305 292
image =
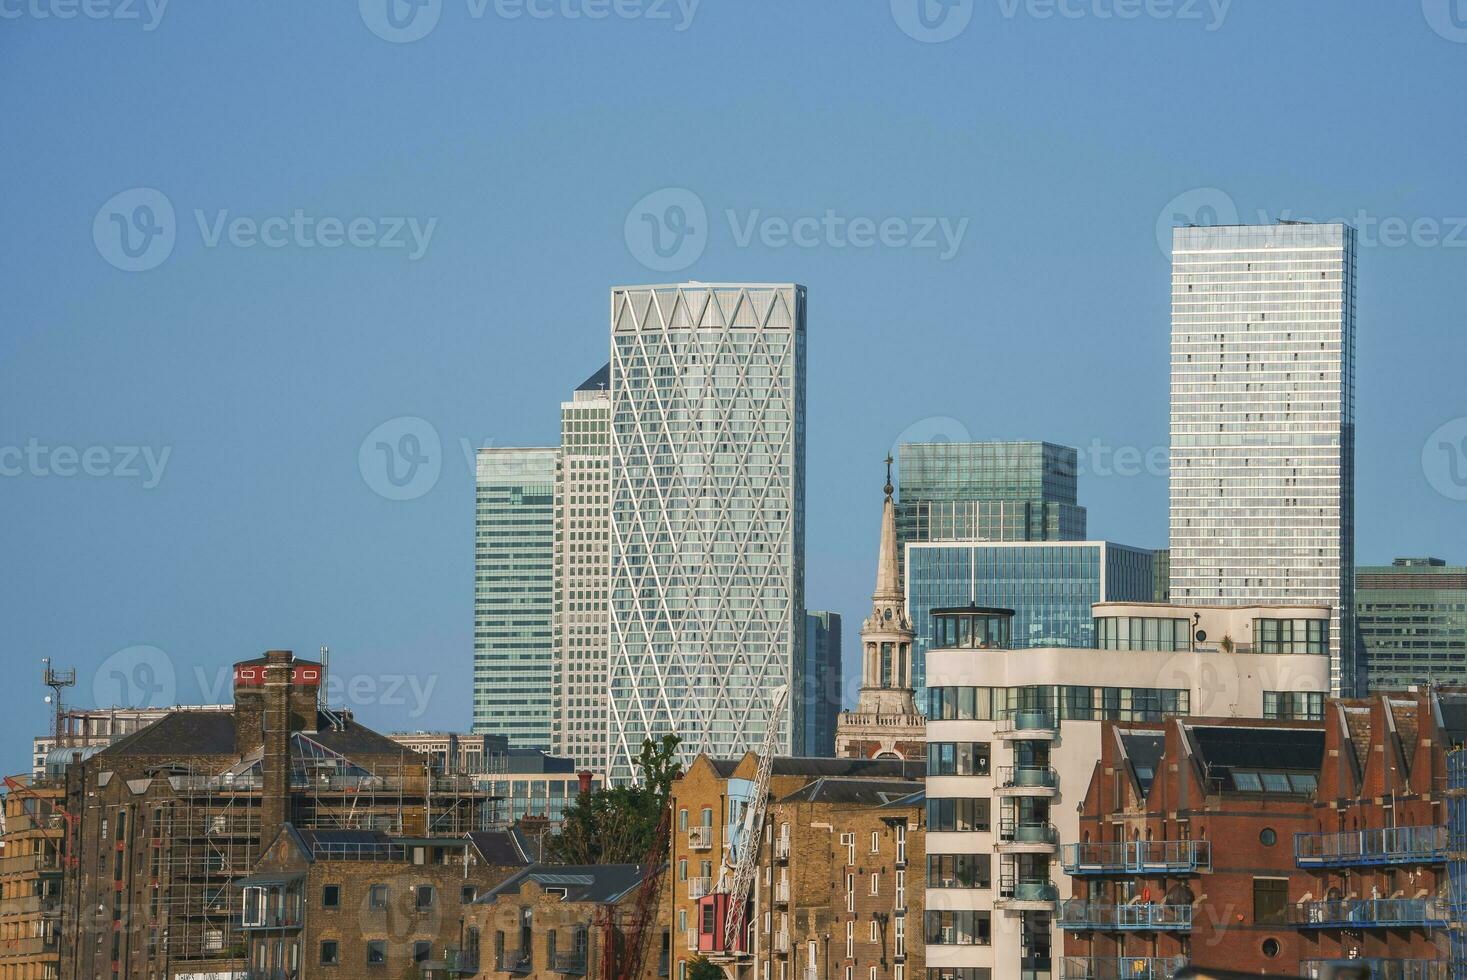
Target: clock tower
pixel 886 722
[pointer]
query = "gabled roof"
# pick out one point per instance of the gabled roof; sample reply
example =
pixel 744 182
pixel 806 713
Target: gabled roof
pixel 1143 749
pixel 196 733
pixel 1224 750
pixel 867 792
pixel 598 883
pixel 503 848
pixel 600 381
pixel 850 768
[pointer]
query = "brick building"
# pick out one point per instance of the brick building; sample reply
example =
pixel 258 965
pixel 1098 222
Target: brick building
pixel 30 879
pixel 707 802
pixel 167 820
pixel 549 922
pixel 358 903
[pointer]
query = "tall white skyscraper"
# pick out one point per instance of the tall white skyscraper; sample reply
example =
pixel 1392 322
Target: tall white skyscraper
pixel 582 561
pixel 1263 422
pixel 707 513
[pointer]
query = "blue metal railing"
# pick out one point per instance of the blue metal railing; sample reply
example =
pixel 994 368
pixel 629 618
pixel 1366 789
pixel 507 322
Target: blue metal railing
pixel 1138 857
pixel 1381 969
pixel 1370 913
pixel 1120 967
pixel 1087 916
pixel 1382 845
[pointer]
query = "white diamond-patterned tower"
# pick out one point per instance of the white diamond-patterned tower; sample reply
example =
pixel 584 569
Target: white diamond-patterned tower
pixel 707 514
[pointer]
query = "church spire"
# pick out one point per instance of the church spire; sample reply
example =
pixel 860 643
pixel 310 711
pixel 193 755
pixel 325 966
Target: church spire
pixel 888 577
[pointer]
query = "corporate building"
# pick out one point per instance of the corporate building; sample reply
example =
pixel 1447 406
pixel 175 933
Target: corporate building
pixel 514 594
pixel 707 610
pixel 818 685
pixel 582 562
pixel 1412 617
pixel 1263 421
pixel 1013 735
pixel 1050 586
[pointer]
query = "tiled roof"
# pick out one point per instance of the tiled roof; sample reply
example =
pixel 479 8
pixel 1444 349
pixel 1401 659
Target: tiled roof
pixel 870 792
pixel 598 883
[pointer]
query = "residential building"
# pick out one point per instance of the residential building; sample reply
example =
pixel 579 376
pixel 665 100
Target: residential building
pixel 454 752
pixel 514 594
pixel 1263 422
pixel 88 727
pixel 707 514
pixel 1412 617
pixel 167 821
pixel 818 686
pixel 353 903
pixel 33 838
pixel 885 722
pixel 582 570
pixel 1050 586
pixel 988 491
pixel 708 804
pixel 552 921
pixel 1013 733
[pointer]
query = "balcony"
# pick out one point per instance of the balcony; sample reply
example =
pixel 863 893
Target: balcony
pixel 1027 726
pixel 1080 916
pixel 513 961
pixel 1027 781
pixel 700 838
pixel 1385 845
pixel 1138 857
pixel 1120 967
pixel 700 887
pixel 1380 969
pixel 1370 913
pixel 1026 895
pixel 1027 838
pixel 570 964
pixel 781 848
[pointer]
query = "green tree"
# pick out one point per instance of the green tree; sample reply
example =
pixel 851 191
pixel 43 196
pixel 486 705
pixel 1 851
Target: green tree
pixel 701 969
pixel 618 825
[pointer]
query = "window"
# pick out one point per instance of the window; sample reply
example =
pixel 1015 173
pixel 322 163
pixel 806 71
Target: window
pixel 850 892
pixel 876 882
pixel 957 759
pixel 682 869
pixel 1268 837
pixel 850 942
pixel 330 952
pixel 899 935
pixel 1270 897
pixel 421 951
pixel 958 928
pixel 377 897
pixel 466 895
pixel 376 952
pixel 426 896
pixel 875 932
pixel 708 816
pixel 875 842
pixel 958 814
pixel 331 897
pixel 1270 948
pixel 848 841
pixel 682 820
pixel 901 843
pixel 958 871
pixel 1294 705
pixel 901 889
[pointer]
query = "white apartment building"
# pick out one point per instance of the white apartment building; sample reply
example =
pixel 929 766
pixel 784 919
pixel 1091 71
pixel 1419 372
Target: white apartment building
pixel 1013 737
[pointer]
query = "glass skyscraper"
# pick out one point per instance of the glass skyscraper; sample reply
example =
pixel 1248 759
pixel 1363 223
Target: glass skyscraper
pixel 988 491
pixel 817 690
pixel 1412 616
pixel 1263 421
pixel 707 514
pixel 582 560
pixel 1050 586
pixel 514 594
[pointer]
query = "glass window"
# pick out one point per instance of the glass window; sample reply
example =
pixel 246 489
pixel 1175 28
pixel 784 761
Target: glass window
pixel 330 952
pixel 331 896
pixel 1270 897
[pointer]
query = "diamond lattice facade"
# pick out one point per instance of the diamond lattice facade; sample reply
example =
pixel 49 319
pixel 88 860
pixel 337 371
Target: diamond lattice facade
pixel 707 514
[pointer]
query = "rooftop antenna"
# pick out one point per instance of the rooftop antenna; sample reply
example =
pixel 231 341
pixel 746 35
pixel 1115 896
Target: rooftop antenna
pixel 57 681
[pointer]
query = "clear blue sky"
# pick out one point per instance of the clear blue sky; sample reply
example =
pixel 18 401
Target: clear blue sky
pixel 260 370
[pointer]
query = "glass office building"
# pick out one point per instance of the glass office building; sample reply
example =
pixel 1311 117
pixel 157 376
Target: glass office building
pixel 707 515
pixel 1263 421
pixel 988 491
pixel 817 690
pixel 1412 617
pixel 514 594
pixel 1050 586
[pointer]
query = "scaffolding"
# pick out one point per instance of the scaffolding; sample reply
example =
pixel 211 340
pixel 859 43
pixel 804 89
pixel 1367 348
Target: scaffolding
pixel 1457 858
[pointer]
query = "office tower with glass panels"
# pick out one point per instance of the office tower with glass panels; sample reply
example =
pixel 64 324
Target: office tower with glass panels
pixel 1263 421
pixel 707 515
pixel 988 491
pixel 514 594
pixel 1049 585
pixel 817 690
pixel 1412 617
pixel 582 561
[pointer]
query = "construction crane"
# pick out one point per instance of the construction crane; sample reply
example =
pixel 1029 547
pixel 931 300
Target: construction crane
pixel 622 960
pixel 736 875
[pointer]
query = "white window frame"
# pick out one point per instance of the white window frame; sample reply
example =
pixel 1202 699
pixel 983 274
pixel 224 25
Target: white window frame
pixel 876 882
pixel 875 842
pixel 875 934
pixel 850 942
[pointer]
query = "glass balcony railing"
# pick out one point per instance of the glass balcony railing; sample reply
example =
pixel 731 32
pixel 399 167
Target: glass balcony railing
pixel 1025 777
pixel 1026 891
pixel 1380 969
pixel 1137 857
pixel 1120 967
pixel 1383 845
pixel 1034 724
pixel 1079 915
pixel 1027 833
pixel 1370 913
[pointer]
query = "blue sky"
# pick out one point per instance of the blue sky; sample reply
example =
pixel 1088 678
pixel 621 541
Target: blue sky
pixel 181 444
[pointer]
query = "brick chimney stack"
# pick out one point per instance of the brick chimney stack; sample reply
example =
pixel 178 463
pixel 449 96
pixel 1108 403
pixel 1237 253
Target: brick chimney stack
pixel 276 727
